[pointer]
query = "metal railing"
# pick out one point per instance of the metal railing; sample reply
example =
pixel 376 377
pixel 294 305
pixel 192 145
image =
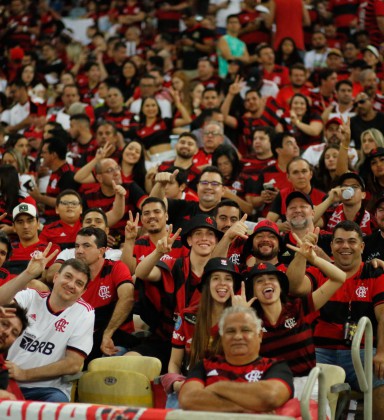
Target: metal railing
pixel 315 374
pixel 364 373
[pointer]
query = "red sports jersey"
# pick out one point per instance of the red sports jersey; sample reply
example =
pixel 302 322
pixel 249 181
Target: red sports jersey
pixel 22 255
pixel 202 158
pixel 357 297
pixel 61 234
pixel 101 292
pixel 290 338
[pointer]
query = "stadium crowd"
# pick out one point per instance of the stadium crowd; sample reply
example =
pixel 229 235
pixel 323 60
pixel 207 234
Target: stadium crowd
pixel 191 156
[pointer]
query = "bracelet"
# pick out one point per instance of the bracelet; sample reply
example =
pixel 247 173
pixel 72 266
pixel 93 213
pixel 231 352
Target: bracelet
pixel 344 147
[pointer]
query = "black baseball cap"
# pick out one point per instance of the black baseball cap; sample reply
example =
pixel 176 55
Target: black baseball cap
pixel 220 264
pixel 298 194
pixel 268 268
pixel 352 175
pixel 200 221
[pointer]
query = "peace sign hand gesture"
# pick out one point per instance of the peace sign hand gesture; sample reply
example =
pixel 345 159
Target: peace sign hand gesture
pixel 132 227
pixel 164 245
pixel 39 261
pixel 304 248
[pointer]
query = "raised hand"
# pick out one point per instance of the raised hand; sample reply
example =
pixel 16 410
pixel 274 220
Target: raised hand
pixel 238 230
pixel 119 189
pixel 132 226
pixel 105 151
pixel 346 132
pixel 7 312
pixel 39 261
pixel 166 177
pixel 236 86
pixel 241 300
pixel 164 245
pixel 306 249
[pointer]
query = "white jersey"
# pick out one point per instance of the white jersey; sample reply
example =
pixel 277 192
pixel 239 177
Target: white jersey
pixel 110 254
pixel 49 335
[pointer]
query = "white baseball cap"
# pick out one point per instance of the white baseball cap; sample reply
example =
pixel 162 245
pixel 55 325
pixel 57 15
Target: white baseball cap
pixel 24 208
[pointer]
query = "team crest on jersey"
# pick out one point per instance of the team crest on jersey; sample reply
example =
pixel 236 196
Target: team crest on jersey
pixel 104 292
pixel 235 259
pixel 61 325
pixel 290 323
pixel 54 183
pixel 254 376
pixel 361 292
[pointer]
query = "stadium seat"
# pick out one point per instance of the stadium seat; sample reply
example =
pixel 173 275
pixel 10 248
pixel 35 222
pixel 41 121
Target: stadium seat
pixel 120 381
pixel 334 384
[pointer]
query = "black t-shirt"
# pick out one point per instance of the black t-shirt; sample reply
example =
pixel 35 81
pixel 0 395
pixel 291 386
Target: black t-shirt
pixel 191 54
pixel 358 126
pixel 181 211
pixel 374 246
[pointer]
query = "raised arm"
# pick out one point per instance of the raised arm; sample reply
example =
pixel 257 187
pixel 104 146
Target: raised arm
pixel 84 175
pixel 131 230
pixel 146 269
pixel 336 276
pixel 118 208
pixel 34 269
pixel 234 89
pixel 237 230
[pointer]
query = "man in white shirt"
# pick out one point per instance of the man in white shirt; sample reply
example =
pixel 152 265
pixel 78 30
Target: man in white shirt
pixel 60 334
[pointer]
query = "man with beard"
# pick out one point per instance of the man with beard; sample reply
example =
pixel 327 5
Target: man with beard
pixel 300 220
pixel 366 117
pixel 262 246
pixel 13 321
pixel 185 148
pixel 154 219
pixel 210 191
pixel 370 84
pixel 317 57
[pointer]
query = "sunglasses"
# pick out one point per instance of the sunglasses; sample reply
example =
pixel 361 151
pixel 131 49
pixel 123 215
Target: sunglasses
pixel 361 101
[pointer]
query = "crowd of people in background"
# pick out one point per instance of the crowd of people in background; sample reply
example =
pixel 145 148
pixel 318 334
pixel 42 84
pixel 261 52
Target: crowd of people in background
pixel 188 157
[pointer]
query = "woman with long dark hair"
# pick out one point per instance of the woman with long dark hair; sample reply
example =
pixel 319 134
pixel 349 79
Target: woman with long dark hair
pixel 196 331
pixel 153 131
pixel 301 123
pixel 270 287
pixel 287 53
pixel 129 78
pixel 325 177
pixel 239 187
pixel 132 164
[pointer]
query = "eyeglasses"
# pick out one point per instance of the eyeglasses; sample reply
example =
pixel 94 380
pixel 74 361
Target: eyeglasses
pixel 214 184
pixel 112 170
pixel 69 203
pixel 361 101
pixel 211 133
